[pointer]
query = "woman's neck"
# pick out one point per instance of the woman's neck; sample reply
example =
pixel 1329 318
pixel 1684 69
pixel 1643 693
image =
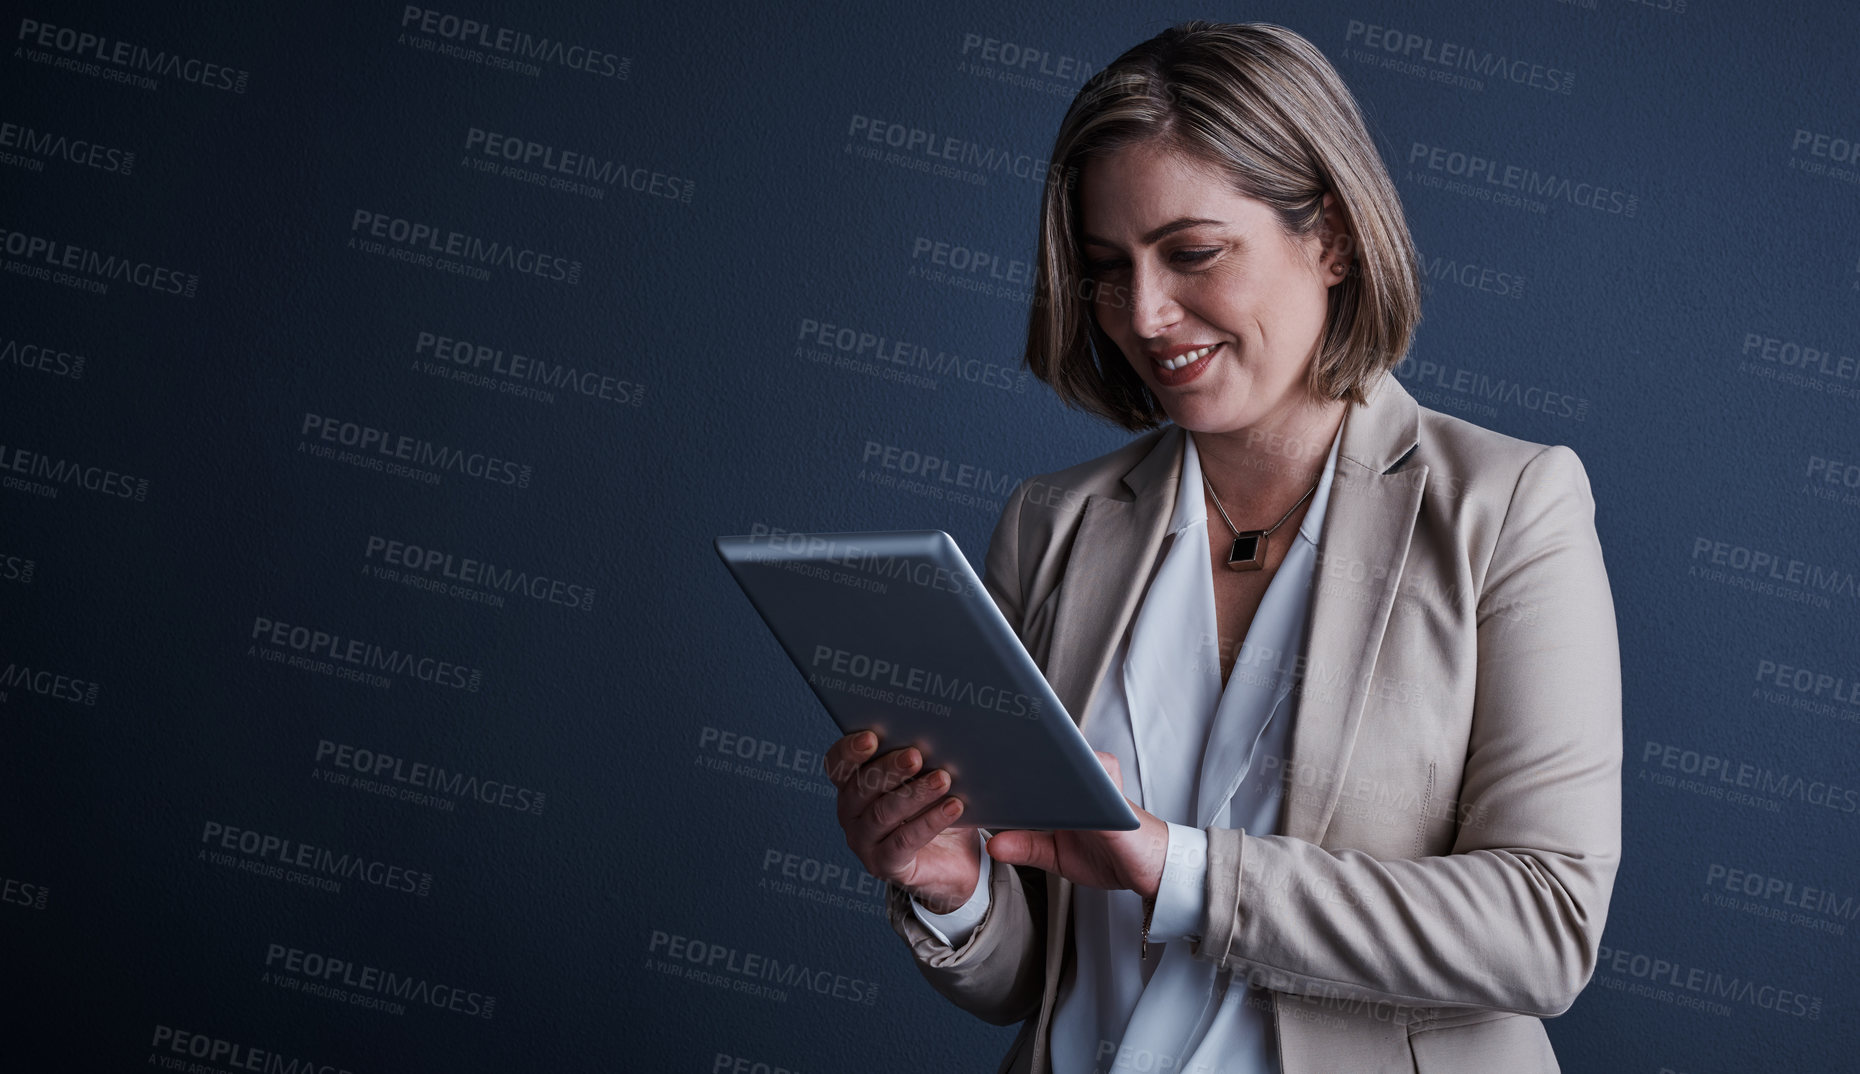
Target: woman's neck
pixel 1262 469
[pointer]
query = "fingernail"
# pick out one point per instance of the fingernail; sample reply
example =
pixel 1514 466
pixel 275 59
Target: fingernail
pixel 865 740
pixel 951 807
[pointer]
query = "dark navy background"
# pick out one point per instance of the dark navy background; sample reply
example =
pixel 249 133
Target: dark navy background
pixel 617 713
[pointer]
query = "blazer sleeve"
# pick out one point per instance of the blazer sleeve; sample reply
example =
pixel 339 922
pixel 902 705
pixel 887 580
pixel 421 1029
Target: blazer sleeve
pixel 1511 919
pixel 998 973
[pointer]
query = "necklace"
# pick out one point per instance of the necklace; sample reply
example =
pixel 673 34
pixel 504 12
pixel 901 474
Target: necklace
pixel 1249 549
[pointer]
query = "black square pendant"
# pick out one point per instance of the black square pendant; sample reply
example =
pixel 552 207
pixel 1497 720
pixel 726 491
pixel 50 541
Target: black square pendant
pixel 1248 552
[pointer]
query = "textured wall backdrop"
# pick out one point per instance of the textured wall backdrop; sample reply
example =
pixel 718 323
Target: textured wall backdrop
pixel 373 379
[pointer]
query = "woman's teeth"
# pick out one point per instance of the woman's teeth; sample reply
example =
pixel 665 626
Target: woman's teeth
pixel 1186 359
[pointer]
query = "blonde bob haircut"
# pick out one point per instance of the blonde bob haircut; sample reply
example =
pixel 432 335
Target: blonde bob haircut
pixel 1262 105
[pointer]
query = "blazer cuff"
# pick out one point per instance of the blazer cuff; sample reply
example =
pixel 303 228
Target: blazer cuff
pixel 956 926
pixel 1181 894
pixel 1220 916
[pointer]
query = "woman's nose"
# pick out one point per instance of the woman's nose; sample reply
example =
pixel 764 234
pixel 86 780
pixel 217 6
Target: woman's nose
pixel 1153 308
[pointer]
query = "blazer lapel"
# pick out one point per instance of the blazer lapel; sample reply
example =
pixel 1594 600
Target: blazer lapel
pixel 1367 528
pixel 1112 553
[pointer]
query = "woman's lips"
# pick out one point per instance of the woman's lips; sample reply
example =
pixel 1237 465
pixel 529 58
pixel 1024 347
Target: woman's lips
pixel 1173 378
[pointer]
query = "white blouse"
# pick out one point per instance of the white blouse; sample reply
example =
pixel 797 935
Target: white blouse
pixel 1196 755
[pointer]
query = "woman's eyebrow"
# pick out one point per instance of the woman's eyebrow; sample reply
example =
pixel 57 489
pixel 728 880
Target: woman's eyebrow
pixel 1167 229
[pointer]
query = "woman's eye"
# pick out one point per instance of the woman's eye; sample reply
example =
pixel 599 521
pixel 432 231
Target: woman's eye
pixel 1180 257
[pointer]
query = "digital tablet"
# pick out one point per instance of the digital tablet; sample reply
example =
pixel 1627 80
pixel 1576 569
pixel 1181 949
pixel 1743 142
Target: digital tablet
pixel 896 635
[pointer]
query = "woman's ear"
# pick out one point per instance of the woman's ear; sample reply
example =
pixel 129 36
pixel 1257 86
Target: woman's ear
pixel 1339 246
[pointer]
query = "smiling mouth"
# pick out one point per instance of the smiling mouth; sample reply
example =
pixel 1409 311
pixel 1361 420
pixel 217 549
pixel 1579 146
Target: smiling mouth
pixel 1185 359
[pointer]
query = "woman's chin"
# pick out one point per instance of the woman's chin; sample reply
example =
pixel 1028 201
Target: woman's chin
pixel 1205 411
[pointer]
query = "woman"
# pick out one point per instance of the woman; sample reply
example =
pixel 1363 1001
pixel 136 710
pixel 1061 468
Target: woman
pixel 1353 661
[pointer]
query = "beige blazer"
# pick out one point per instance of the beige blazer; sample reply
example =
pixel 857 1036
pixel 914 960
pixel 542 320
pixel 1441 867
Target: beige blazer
pixel 1453 798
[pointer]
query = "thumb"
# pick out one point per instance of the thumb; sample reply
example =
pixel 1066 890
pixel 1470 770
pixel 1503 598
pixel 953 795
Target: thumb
pixel 1025 848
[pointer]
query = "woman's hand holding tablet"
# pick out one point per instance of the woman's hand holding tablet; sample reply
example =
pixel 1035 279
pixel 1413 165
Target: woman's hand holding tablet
pixel 897 821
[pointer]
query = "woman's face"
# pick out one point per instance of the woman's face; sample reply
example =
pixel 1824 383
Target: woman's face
pixel 1182 262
